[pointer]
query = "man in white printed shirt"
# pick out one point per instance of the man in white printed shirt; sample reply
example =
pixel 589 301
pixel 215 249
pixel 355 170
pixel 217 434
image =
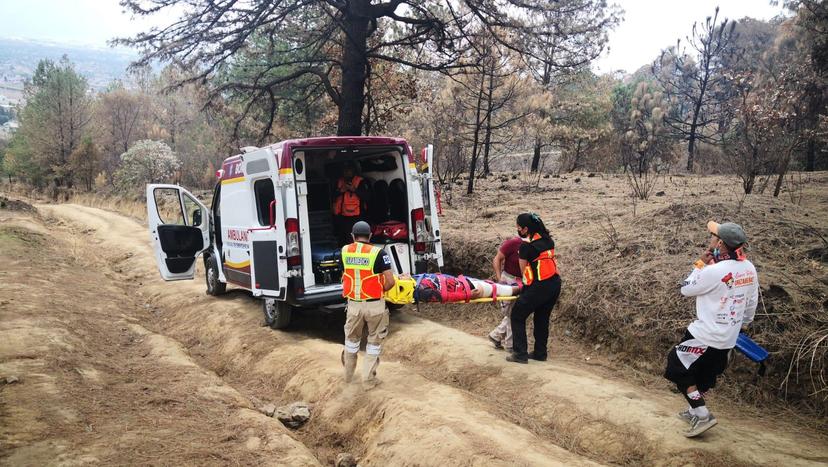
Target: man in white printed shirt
pixel 726 288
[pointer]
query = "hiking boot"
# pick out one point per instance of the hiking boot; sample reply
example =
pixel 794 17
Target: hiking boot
pixel 540 358
pixel 515 359
pixel 496 343
pixel 700 425
pixel 686 416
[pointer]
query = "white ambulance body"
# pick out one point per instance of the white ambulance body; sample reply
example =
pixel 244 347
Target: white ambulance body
pixel 270 228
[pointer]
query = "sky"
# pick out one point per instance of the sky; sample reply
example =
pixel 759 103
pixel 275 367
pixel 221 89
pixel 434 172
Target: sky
pixel 649 25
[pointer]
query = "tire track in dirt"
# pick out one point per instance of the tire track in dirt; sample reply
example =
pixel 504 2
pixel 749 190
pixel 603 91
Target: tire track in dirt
pixel 559 402
pixel 97 387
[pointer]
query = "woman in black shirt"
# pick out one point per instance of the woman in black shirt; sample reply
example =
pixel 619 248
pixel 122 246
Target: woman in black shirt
pixel 542 288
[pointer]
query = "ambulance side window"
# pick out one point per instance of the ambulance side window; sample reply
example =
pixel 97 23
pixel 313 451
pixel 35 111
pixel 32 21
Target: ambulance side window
pixel 193 212
pixel 264 196
pixel 168 205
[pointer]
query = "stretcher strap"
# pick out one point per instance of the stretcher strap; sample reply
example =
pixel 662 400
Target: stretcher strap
pixel 464 284
pixel 417 288
pixel 494 290
pixel 441 283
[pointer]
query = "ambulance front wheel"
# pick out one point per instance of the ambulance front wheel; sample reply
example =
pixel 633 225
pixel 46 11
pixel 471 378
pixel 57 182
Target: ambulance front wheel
pixel 211 273
pixel 276 313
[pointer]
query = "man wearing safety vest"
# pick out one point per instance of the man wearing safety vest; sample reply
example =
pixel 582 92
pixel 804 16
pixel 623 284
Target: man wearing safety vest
pixel 542 286
pixel 366 275
pixel 348 204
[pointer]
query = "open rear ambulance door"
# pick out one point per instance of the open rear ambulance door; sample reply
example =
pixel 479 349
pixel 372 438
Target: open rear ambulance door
pixel 431 206
pixel 268 255
pixel 179 228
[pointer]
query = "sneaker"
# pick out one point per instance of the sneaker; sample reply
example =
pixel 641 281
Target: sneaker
pixel 686 416
pixel 534 356
pixel 700 425
pixel 515 359
pixel 496 343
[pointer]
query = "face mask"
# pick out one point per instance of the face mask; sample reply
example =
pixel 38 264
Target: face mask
pixel 717 254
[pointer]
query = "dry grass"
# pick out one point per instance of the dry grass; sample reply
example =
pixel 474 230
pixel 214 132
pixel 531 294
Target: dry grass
pixel 622 262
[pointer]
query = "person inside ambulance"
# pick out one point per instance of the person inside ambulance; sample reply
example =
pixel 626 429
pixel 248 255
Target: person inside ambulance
pixel 726 288
pixel 366 276
pixel 542 286
pixel 349 203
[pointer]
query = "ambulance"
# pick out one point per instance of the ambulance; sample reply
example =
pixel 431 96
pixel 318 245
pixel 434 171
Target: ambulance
pixel 270 228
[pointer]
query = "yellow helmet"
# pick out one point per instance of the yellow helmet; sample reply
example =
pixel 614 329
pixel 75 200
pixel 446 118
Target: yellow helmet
pixel 402 293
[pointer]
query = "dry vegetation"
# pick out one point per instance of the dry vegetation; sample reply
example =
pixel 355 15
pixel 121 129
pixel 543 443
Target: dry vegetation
pixel 622 261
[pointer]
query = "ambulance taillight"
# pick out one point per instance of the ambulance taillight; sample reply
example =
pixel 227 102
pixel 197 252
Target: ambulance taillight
pixel 292 230
pixel 420 234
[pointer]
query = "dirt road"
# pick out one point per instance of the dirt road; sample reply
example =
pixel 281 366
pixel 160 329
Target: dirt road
pixel 185 372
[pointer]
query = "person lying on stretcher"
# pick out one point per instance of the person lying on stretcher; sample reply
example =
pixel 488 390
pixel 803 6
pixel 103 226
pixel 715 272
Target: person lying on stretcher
pixel 443 288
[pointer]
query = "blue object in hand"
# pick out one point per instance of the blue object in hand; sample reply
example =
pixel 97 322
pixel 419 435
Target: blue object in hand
pixel 751 349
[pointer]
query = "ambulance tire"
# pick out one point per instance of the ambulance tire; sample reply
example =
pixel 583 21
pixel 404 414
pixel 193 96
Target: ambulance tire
pixel 211 276
pixel 277 313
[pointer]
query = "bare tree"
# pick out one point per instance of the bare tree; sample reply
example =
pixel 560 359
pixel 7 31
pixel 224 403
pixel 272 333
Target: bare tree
pixel 121 119
pixel 332 42
pixel 692 83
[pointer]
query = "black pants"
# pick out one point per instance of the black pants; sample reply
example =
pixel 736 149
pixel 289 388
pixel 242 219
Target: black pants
pixel 539 299
pixel 702 373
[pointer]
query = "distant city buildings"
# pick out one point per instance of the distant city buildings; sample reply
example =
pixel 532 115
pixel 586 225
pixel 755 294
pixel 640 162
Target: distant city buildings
pixel 7 129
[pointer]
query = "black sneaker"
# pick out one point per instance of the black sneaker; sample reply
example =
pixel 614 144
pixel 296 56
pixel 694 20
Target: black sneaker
pixel 537 357
pixel 515 359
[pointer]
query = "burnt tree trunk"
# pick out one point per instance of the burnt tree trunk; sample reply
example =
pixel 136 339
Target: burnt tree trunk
pixel 783 169
pixel 536 154
pixel 487 139
pixel 354 69
pixel 475 144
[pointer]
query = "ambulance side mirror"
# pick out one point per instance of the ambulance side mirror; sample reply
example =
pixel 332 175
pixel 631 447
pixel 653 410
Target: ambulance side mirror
pixel 197 217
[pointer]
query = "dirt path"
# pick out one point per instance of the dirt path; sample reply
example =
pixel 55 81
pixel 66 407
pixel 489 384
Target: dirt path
pixel 95 386
pixel 446 396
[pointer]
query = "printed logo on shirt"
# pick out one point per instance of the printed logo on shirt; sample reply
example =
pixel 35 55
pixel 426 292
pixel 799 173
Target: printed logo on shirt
pixel 356 261
pixel 744 278
pixel 728 280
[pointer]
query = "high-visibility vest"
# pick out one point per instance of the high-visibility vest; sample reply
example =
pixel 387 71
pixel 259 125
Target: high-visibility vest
pixel 359 281
pixel 541 268
pixel 348 203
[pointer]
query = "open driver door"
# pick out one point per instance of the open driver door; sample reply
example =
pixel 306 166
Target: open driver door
pixel 179 228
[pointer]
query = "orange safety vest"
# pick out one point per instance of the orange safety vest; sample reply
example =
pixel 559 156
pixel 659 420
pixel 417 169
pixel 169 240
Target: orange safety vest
pixel 359 281
pixel 347 203
pixel 542 267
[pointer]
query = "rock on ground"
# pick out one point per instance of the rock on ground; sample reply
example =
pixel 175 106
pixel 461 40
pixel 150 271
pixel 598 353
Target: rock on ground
pixel 293 415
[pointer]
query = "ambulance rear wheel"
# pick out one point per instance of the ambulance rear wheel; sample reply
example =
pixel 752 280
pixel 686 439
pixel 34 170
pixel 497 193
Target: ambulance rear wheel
pixel 214 285
pixel 276 313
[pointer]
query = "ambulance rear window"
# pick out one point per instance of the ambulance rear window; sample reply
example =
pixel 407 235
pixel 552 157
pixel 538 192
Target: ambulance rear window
pixel 264 196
